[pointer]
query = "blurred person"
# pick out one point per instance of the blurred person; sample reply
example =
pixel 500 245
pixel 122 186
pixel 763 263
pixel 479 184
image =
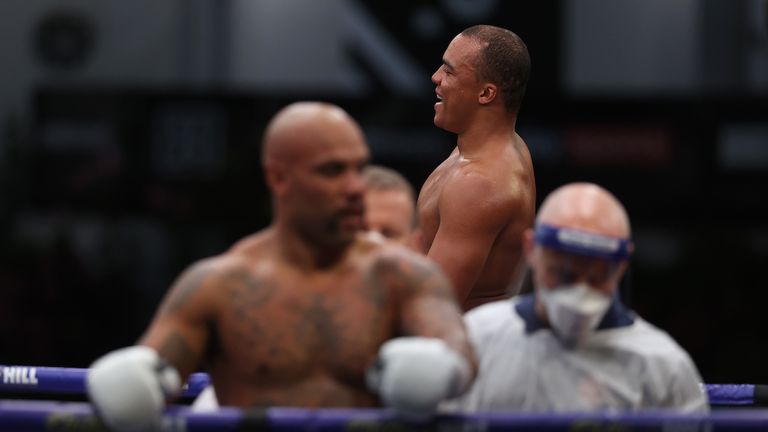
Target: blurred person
pixel 308 312
pixel 390 205
pixel 390 210
pixel 476 204
pixel 572 345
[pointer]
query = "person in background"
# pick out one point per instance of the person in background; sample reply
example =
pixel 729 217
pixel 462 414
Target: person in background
pixel 390 205
pixel 572 345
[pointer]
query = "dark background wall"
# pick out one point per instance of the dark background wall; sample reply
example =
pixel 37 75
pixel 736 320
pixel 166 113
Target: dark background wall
pixel 129 138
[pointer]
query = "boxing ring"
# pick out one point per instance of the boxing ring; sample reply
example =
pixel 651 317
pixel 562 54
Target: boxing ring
pixel 729 413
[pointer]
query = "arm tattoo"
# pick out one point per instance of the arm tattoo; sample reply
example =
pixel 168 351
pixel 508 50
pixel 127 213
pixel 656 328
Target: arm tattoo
pixel 187 285
pixel 176 350
pixel 417 277
pixel 427 299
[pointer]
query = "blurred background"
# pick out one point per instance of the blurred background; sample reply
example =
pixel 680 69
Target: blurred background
pixel 129 142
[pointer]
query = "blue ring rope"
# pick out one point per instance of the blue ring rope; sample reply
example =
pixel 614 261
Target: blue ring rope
pixel 55 380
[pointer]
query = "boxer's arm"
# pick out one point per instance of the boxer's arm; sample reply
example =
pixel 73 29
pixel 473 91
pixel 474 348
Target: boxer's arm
pixel 179 330
pixel 128 387
pixel 432 359
pixel 471 216
pixel 428 305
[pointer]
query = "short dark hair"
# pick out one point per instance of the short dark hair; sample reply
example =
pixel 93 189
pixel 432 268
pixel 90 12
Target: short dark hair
pixel 503 61
pixel 381 178
pixel 378 177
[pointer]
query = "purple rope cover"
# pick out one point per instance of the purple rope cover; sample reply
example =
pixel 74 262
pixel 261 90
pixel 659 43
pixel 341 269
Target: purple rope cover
pixel 54 380
pixel 731 394
pixel 45 416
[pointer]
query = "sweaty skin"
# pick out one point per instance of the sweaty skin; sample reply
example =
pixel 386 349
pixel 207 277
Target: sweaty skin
pixel 293 315
pixel 475 206
pixel 473 215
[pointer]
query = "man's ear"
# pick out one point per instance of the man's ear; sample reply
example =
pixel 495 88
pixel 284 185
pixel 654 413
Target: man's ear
pixel 275 177
pixel 488 94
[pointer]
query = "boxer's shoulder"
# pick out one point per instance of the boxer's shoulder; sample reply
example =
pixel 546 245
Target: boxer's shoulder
pixel 402 268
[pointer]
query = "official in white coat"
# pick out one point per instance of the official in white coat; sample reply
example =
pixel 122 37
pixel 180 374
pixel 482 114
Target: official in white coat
pixel 572 345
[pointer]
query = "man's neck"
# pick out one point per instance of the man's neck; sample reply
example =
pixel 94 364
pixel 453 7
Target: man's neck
pixel 306 254
pixel 485 133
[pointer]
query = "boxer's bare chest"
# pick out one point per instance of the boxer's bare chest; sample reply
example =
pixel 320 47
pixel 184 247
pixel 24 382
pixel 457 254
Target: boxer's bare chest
pixel 298 324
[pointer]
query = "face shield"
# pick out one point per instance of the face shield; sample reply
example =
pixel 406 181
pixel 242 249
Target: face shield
pixel 571 256
pixel 575 268
pixel 583 243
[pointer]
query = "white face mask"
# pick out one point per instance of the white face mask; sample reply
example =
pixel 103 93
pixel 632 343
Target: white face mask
pixel 574 311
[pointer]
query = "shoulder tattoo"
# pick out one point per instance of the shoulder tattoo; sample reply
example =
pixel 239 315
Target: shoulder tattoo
pixel 414 275
pixel 187 285
pixel 247 291
pixel 175 349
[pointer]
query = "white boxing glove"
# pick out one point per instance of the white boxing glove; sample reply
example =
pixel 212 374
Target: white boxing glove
pixel 413 375
pixel 128 388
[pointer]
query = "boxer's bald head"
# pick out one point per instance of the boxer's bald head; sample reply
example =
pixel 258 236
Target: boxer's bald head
pixel 305 126
pixel 313 155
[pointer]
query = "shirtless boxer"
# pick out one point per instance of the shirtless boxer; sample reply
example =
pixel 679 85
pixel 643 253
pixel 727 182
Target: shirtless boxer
pixel 475 206
pixel 296 314
pixel 390 210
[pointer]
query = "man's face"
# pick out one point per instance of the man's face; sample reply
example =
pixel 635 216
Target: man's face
pixel 457 85
pixel 552 268
pixel 325 187
pixel 390 212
